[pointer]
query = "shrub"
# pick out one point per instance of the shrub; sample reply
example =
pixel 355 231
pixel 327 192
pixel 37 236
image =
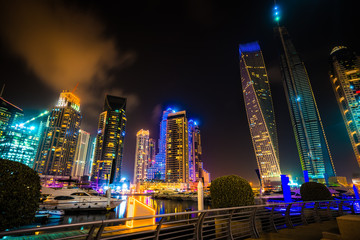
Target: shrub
pixel 19 194
pixel 231 191
pixel 313 191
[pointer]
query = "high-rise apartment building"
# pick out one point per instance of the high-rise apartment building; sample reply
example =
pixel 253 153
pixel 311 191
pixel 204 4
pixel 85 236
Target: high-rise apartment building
pixel 345 79
pixel 260 111
pixel 160 158
pixel 57 146
pixel 177 148
pixel 314 152
pixel 90 156
pixel 141 156
pixel 19 143
pixel 9 115
pixel 80 154
pixel 109 142
pixel 195 151
pixel 152 172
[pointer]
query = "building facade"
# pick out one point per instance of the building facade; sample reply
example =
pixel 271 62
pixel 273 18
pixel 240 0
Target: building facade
pixel 90 156
pixel 80 154
pixel 141 156
pixel 314 152
pixel 345 79
pixel 177 148
pixel 109 142
pixel 195 151
pixel 9 115
pixel 260 111
pixel 58 142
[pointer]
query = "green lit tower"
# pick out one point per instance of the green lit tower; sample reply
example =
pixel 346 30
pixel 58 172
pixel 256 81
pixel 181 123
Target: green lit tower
pixel 314 152
pixel 260 111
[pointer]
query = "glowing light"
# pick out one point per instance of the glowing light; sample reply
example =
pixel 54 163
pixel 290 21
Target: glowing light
pixel 32 128
pixel 298 99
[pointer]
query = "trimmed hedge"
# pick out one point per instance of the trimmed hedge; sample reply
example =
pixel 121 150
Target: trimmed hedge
pixel 313 191
pixel 231 191
pixel 19 194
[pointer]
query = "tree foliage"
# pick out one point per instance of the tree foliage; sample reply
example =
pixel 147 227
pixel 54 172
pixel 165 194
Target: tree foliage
pixel 313 191
pixel 19 194
pixel 231 191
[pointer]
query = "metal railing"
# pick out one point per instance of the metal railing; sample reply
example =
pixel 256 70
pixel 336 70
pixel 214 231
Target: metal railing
pixel 223 223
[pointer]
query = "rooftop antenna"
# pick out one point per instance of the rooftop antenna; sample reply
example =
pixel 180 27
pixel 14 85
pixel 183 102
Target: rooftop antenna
pixel 2 90
pixel 73 91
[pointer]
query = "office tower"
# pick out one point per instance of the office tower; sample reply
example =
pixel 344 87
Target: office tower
pixel 151 165
pixel 9 115
pixel 109 142
pixel 90 156
pixel 19 143
pixel 141 156
pixel 57 146
pixel 195 151
pixel 160 158
pixel 177 148
pixel 345 79
pixel 260 111
pixel 314 152
pixel 80 154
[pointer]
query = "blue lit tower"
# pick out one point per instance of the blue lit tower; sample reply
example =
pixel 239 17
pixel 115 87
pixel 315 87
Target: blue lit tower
pixel 160 158
pixel 195 151
pixel 260 111
pixel 345 79
pixel 109 142
pixel 314 152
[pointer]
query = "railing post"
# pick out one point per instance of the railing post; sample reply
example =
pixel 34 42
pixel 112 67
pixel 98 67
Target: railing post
pixel 316 212
pixel 91 232
pixel 199 226
pixel 229 225
pixel 100 231
pixel 287 216
pixel 255 233
pixel 302 214
pixel 352 207
pixel 272 221
pixel 158 228
pixel 340 208
pixel 328 210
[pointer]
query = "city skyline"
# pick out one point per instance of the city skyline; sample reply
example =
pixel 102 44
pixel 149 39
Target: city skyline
pixel 181 54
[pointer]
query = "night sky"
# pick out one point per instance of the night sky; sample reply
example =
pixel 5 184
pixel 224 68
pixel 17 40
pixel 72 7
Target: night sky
pixel 184 56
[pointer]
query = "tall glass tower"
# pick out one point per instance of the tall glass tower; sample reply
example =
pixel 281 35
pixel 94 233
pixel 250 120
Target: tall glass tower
pixel 260 111
pixel 141 156
pixel 345 79
pixel 57 146
pixel 314 152
pixel 109 142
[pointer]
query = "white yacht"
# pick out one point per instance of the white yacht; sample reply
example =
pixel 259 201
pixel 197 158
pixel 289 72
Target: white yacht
pixel 76 199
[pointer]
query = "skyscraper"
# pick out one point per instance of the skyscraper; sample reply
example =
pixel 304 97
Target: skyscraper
pixel 141 156
pixel 345 79
pixel 109 142
pixel 314 152
pixel 90 156
pixel 259 111
pixel 177 148
pixel 9 115
pixel 160 158
pixel 195 151
pixel 151 165
pixel 57 146
pixel 80 154
pixel 19 143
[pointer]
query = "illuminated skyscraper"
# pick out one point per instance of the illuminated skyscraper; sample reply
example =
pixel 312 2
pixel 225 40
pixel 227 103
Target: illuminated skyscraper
pixel 80 154
pixel 141 156
pixel 90 156
pixel 109 142
pixel 160 158
pixel 259 111
pixel 345 79
pixel 177 148
pixel 195 151
pixel 309 133
pixel 9 115
pixel 19 144
pixel 151 166
pixel 57 146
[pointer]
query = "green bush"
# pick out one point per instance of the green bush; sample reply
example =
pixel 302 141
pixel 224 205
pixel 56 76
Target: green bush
pixel 313 191
pixel 19 194
pixel 230 191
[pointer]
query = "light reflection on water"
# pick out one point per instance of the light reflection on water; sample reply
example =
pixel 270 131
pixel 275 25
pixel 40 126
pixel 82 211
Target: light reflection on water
pixel 161 207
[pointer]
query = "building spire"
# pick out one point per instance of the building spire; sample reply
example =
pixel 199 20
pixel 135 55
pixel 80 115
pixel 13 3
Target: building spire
pixel 2 90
